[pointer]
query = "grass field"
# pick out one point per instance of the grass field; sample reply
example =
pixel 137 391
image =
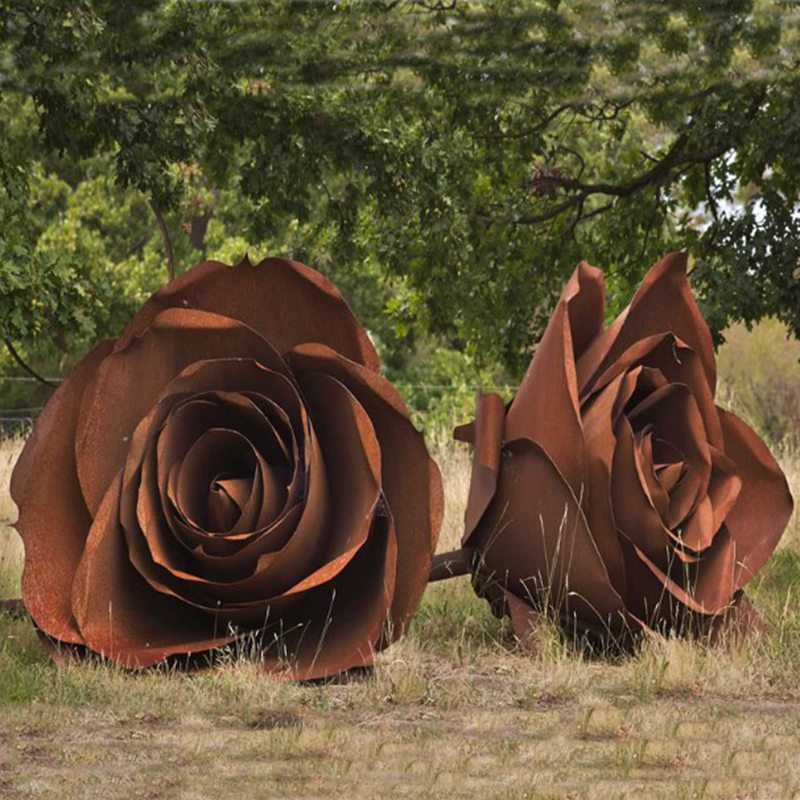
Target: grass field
pixel 454 710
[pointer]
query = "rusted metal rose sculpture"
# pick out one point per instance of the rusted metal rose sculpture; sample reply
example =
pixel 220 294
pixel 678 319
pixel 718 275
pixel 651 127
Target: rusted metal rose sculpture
pixel 232 464
pixel 612 491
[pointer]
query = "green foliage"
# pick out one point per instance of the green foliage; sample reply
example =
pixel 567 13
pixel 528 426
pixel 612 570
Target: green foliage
pixel 34 292
pixel 446 163
pixel 439 384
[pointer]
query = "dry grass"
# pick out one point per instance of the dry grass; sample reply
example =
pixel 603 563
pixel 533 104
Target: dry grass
pixel 455 464
pixel 10 545
pixel 9 451
pixel 453 709
pixel 486 721
pixel 789 459
pixel 760 363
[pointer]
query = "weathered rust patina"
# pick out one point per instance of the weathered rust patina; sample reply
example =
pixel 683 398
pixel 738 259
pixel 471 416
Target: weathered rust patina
pixel 232 465
pixel 612 492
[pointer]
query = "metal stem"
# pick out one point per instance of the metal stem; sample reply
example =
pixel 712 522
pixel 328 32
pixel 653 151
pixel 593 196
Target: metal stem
pixel 449 565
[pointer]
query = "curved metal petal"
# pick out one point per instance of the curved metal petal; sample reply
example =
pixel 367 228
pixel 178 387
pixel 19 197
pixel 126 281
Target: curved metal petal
pixel 674 503
pixel 284 301
pixel 53 520
pixel 185 487
pixel 411 481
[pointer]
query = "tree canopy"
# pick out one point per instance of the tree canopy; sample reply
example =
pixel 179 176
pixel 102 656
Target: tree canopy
pixel 447 163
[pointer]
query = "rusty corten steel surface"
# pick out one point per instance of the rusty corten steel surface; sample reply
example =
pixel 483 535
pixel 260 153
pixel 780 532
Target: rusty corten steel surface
pixel 612 491
pixel 233 465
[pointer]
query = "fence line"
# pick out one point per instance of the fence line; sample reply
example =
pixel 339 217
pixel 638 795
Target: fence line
pixel 26 379
pixel 15 425
pixel 26 416
pixel 504 387
pixel 498 387
pixel 487 387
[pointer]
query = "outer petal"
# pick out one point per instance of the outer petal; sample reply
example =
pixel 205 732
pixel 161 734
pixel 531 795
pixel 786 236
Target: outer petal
pixel 705 586
pixel 411 480
pixel 53 520
pixel 587 307
pixel 525 620
pixel 764 505
pixel 534 540
pixel 740 623
pixel 545 408
pixel 601 443
pixel 286 302
pixel 488 435
pixel 339 626
pixel 663 303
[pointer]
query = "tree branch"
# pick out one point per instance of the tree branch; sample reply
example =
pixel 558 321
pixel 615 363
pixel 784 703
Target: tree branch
pixel 167 241
pixel 674 158
pixel 535 219
pixel 652 175
pixel 590 111
pixel 541 125
pixel 30 370
pixel 712 203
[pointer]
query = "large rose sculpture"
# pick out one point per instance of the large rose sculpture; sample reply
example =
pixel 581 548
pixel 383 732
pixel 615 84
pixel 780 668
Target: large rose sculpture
pixel 612 491
pixel 233 465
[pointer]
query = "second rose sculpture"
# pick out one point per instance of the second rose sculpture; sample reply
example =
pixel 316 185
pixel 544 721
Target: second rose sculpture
pixel 233 466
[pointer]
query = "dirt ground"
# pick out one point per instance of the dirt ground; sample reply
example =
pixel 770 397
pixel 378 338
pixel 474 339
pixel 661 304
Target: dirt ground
pixel 326 743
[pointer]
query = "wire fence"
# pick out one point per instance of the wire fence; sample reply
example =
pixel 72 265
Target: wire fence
pixel 15 426
pixel 456 387
pixel 18 420
pixel 26 379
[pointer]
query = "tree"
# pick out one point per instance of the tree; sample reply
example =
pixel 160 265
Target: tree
pixel 447 162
